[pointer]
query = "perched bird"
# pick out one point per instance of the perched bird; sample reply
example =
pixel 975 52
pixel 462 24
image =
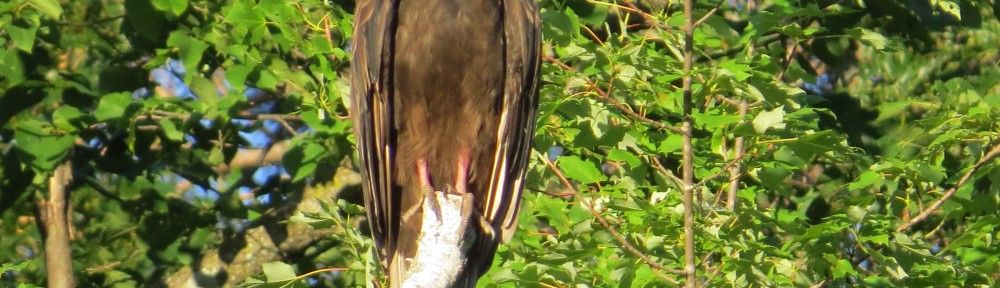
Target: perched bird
pixel 443 97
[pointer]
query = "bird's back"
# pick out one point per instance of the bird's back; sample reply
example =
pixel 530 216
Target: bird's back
pixel 441 84
pixel 448 77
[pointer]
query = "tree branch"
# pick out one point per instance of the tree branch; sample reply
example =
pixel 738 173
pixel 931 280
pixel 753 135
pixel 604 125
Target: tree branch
pixel 58 256
pixel 687 161
pixel 614 233
pixel 736 169
pixel 951 192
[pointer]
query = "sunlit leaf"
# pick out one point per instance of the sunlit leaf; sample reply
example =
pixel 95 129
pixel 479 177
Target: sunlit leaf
pixel 580 170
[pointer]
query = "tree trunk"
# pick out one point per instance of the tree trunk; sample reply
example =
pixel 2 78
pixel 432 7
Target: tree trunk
pixel 58 257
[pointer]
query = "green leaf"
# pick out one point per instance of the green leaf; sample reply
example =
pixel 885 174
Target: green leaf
pixel 867 179
pixel 189 50
pixel 842 268
pixel 14 267
pixel 869 37
pixel 949 7
pixel 302 158
pixel 66 118
pixel 51 8
pixel 170 130
pixel 207 92
pixel 624 156
pixel 580 170
pixel 142 16
pixel 23 38
pixel 876 239
pixel 215 157
pixel 39 146
pixel 769 119
pixel 112 106
pixel 811 145
pixel 278 271
pixel 175 7
pixel 237 74
pixel 315 221
pixel 267 81
pixel 11 67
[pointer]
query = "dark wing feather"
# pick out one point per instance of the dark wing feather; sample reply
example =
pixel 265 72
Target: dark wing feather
pixel 371 109
pixel 517 111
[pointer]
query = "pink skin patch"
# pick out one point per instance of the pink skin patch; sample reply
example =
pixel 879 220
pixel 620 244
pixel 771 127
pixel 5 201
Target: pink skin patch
pixel 462 179
pixel 425 177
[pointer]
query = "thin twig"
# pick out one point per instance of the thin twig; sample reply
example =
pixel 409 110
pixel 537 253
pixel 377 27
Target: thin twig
pixel 614 233
pixel 708 14
pixel 951 192
pixel 667 173
pixel 281 119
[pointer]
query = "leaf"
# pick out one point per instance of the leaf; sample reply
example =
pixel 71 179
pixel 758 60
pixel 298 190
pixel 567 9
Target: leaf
pixel 14 267
pixel 580 170
pixel 302 158
pixel 12 69
pixel 949 7
pixel 237 75
pixel 170 130
pixel 769 119
pixel 189 50
pixel 869 37
pixel 66 117
pixel 206 91
pixel 38 146
pixel 278 271
pixel 175 7
pixel 867 179
pixel 267 81
pixel 624 156
pixel 215 157
pixel 876 239
pixel 811 145
pixel 149 22
pixel 112 106
pixel 843 267
pixel 51 8
pixel 23 38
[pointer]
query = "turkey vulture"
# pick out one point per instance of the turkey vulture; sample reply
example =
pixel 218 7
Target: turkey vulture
pixel 443 98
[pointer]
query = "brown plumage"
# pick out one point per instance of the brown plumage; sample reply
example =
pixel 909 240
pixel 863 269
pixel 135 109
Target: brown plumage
pixel 448 87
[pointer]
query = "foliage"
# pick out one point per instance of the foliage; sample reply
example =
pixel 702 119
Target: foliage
pixel 835 143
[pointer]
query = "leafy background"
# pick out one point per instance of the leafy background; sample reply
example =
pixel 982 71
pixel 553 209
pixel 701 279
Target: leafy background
pixel 840 143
